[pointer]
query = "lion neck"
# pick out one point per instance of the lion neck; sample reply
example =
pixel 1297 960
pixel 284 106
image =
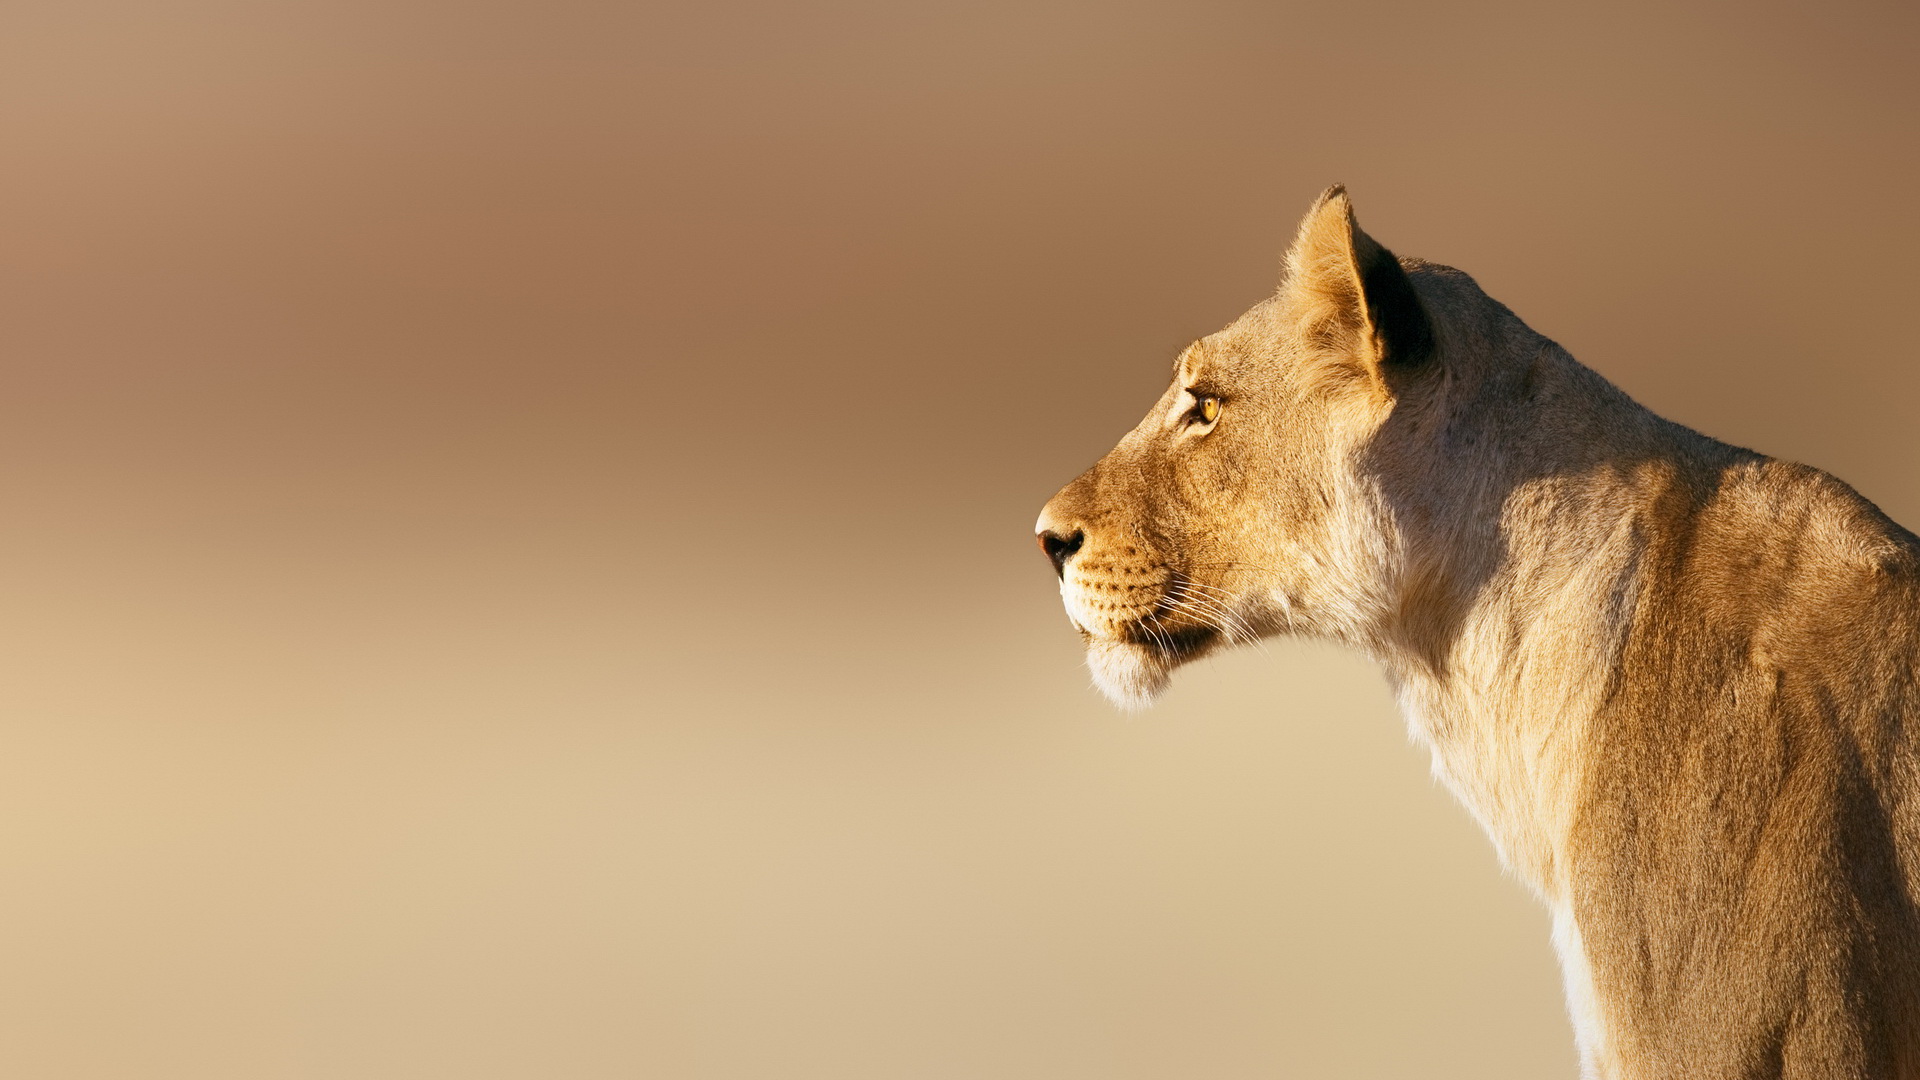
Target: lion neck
pixel 1513 609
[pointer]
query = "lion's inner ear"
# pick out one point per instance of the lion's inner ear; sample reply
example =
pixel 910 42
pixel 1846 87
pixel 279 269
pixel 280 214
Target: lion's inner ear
pixel 1348 295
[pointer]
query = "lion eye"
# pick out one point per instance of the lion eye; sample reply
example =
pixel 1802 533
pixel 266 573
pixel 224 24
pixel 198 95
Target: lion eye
pixel 1206 409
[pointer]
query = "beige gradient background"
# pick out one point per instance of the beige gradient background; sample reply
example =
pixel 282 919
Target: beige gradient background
pixel 516 559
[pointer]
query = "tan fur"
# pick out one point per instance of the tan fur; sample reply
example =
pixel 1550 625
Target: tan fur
pixel 1676 681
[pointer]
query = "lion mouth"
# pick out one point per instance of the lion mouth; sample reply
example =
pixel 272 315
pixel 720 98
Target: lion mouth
pixel 1174 643
pixel 1164 629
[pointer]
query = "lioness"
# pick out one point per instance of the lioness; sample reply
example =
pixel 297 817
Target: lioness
pixel 1677 682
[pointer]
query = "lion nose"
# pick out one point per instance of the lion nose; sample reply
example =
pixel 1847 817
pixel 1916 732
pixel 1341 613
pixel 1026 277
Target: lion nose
pixel 1061 548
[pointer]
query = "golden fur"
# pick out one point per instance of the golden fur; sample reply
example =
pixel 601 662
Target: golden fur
pixel 1674 680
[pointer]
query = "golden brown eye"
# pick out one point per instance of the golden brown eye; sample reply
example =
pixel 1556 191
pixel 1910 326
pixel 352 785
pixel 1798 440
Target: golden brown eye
pixel 1209 409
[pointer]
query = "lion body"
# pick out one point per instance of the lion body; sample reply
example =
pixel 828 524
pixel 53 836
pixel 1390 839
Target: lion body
pixel 1677 682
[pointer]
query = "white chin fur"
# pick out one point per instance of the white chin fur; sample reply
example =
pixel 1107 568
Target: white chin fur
pixel 1129 675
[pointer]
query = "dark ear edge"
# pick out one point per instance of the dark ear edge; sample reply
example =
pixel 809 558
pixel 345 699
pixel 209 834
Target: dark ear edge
pixel 1402 332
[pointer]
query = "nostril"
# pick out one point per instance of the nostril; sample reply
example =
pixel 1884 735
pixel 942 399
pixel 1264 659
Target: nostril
pixel 1061 548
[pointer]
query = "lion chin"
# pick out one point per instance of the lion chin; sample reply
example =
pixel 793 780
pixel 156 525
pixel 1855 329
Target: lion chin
pixel 1132 674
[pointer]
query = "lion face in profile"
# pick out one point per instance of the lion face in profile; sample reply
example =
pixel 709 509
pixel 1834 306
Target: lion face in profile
pixel 1238 507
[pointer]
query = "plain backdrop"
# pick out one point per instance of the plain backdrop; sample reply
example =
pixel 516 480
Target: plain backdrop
pixel 515 553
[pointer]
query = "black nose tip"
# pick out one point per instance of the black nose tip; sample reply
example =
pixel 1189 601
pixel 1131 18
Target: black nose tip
pixel 1061 548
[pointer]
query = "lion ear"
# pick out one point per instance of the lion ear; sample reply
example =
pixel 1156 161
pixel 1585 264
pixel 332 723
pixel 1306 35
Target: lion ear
pixel 1348 295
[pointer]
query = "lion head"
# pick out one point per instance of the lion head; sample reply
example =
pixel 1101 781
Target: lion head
pixel 1281 481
